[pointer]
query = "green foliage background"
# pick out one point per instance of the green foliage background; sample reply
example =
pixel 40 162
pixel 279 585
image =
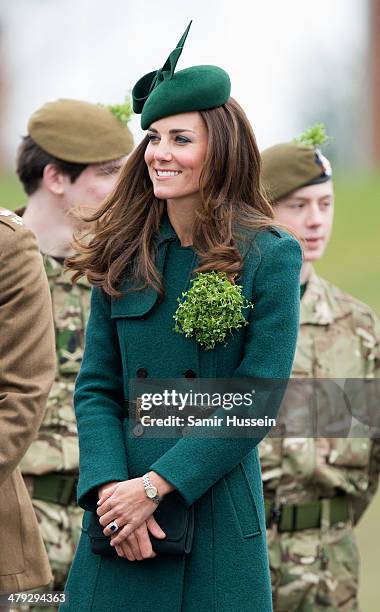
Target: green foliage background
pixel 352 261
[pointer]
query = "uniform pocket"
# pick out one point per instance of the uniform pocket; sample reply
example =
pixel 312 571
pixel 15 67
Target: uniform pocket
pixel 243 502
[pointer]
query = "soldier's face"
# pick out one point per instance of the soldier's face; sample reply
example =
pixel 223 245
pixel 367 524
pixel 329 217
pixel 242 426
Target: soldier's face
pixel 309 211
pixel 92 186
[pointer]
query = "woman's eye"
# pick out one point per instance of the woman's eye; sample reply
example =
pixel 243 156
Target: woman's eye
pixel 152 137
pixel 182 139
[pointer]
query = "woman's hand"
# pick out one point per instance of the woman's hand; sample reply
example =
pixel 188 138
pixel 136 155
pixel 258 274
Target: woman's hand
pixel 106 486
pixel 137 546
pixel 127 504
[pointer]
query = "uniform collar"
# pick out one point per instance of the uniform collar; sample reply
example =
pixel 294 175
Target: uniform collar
pixel 56 270
pixel 53 266
pixel 319 305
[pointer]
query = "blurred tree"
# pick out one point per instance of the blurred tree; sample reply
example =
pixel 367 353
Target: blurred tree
pixel 335 92
pixel 332 86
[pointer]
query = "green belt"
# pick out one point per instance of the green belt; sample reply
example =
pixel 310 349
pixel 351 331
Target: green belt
pixel 308 515
pixel 55 488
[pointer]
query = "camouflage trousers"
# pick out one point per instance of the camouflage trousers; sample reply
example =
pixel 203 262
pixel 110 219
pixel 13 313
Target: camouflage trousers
pixel 60 527
pixel 314 570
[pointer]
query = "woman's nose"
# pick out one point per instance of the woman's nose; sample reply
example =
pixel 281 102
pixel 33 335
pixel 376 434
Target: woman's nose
pixel 163 152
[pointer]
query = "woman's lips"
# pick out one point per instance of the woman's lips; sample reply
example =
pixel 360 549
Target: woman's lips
pixel 166 174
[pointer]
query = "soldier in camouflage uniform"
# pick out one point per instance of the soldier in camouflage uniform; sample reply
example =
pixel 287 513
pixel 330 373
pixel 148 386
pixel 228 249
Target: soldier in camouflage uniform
pixel 316 489
pixel 68 163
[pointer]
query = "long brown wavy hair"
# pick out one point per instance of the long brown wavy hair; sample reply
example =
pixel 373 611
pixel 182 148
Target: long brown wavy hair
pixel 231 198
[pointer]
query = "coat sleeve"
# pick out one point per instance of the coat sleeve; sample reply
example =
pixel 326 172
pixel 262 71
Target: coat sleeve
pixel 99 393
pixel 193 465
pixel 27 352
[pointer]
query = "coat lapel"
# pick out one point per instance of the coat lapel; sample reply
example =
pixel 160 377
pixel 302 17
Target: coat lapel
pixel 138 303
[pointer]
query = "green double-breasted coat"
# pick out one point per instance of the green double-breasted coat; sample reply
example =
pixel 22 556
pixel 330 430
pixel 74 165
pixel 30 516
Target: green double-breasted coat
pixel 228 568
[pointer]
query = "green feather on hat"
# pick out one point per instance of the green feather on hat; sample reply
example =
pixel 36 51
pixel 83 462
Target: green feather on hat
pixel 164 92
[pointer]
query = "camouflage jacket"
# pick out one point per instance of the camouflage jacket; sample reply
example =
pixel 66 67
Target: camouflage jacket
pixel 339 338
pixel 56 447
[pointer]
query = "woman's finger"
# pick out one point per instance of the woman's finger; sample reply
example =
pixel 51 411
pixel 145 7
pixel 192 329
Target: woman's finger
pixel 145 544
pixel 122 534
pixel 106 494
pixel 105 508
pixel 108 520
pixel 134 546
pixel 127 551
pixel 154 528
pixel 120 551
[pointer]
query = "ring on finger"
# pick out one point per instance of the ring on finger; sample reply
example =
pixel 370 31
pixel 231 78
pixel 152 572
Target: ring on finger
pixel 113 527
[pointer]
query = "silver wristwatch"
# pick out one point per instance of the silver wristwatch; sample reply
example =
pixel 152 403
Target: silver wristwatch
pixel 150 490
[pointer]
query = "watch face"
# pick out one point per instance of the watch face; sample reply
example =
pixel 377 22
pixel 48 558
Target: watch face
pixel 151 492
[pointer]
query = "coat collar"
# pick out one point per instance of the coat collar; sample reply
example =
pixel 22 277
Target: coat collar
pixel 167 232
pixel 319 305
pixel 138 303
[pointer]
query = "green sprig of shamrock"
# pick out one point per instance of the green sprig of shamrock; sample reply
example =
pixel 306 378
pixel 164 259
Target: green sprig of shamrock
pixel 210 309
pixel 122 112
pixel 314 136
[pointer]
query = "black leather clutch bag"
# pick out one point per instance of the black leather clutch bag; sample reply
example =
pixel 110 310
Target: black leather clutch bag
pixel 173 516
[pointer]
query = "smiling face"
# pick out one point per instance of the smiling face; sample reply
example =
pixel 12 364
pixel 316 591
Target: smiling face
pixel 175 155
pixel 309 211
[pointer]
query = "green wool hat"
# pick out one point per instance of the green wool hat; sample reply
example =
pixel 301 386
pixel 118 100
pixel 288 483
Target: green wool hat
pixel 164 92
pixel 80 132
pixel 291 165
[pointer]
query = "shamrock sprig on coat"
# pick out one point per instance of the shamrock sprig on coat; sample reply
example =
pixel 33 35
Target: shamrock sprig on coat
pixel 211 309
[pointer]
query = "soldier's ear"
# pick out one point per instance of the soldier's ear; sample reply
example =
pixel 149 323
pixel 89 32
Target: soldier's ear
pixel 54 180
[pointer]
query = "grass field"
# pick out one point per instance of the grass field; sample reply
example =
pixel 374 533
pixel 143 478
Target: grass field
pixel 353 263
pixel 11 192
pixel 352 260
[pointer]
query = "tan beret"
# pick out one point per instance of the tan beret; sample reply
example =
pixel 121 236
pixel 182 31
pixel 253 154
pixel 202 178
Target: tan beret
pixel 290 166
pixel 79 132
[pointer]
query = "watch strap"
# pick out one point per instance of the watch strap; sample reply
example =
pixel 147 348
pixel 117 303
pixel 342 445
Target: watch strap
pixel 147 484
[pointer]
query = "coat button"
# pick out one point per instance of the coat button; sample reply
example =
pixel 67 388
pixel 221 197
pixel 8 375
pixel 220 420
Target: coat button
pixel 190 374
pixel 138 430
pixel 142 373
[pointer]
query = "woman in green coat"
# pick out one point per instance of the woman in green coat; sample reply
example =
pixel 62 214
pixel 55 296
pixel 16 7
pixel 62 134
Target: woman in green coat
pixel 188 202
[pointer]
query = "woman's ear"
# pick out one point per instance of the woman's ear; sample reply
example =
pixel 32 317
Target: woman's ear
pixel 54 180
